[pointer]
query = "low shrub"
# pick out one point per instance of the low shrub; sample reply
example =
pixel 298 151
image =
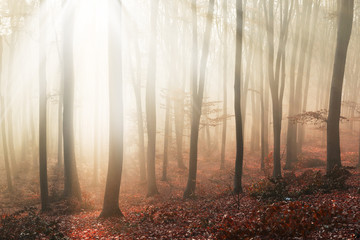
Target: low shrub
pixel 27 224
pixel 291 187
pixel 282 220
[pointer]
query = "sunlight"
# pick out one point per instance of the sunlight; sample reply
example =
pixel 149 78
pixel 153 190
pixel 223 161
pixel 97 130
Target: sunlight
pixel 228 106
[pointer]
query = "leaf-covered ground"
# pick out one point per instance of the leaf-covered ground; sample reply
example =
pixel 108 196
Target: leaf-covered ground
pixel 298 208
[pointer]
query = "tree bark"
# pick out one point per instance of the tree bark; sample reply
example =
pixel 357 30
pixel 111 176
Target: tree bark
pixel 42 114
pixel 197 95
pixel 151 105
pixel 291 154
pixel 342 42
pixel 9 113
pixel 3 127
pixel 166 135
pixel 277 77
pixel 300 73
pixel 116 122
pixel 136 83
pixel 71 185
pixel 60 123
pixel 237 100
pixel 312 37
pixel 224 124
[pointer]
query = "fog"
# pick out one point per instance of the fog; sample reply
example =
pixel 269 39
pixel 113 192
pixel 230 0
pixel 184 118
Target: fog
pixel 156 41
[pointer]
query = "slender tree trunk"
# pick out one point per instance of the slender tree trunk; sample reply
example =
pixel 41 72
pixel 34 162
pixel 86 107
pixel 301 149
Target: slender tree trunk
pixel 140 123
pixel 253 138
pixel 245 87
pixel 166 136
pixel 300 72
pixel 71 185
pixel 208 137
pixel 343 38
pixel 96 143
pixel 263 119
pixel 24 124
pixel 42 113
pixel 3 127
pixel 291 154
pixel 277 77
pixel 179 129
pixel 60 124
pixel 116 122
pixel 151 104
pixel 139 113
pixel 313 34
pixel 11 146
pixel 197 95
pixel 224 125
pixel 237 100
pixel 9 113
pixel 34 147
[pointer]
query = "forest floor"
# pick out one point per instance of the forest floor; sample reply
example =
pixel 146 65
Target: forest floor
pixel 303 205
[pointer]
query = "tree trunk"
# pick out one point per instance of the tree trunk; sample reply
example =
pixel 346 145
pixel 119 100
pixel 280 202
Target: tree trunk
pixel 254 139
pixel 96 143
pixel 179 107
pixel 42 115
pixel 343 38
pixel 60 123
pixel 179 129
pixel 224 125
pixel 166 136
pixel 197 95
pixel 151 104
pixel 313 33
pixel 277 77
pixel 300 72
pixel 291 154
pixel 237 100
pixel 139 113
pixel 263 119
pixel 8 112
pixel 3 127
pixel 140 123
pixel 116 122
pixel 34 147
pixel 71 185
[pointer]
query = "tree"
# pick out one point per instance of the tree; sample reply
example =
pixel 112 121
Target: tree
pixel 116 125
pixel 96 142
pixel 197 94
pixel 42 113
pixel 3 127
pixel 224 125
pixel 151 104
pixel 306 9
pixel 166 133
pixel 343 37
pixel 237 100
pixel 9 112
pixel 139 109
pixel 313 33
pixel 277 77
pixel 291 154
pixel 71 184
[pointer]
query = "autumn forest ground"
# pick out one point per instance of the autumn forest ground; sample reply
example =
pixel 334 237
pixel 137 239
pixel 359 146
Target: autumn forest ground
pixel 303 205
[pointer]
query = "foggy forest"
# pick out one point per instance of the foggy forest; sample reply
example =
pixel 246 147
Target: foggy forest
pixel 182 119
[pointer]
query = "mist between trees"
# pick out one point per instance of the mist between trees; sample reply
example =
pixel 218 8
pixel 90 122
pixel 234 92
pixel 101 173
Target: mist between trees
pixel 119 92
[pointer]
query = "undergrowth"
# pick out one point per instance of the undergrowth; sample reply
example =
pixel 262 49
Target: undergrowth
pixel 28 224
pixel 291 187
